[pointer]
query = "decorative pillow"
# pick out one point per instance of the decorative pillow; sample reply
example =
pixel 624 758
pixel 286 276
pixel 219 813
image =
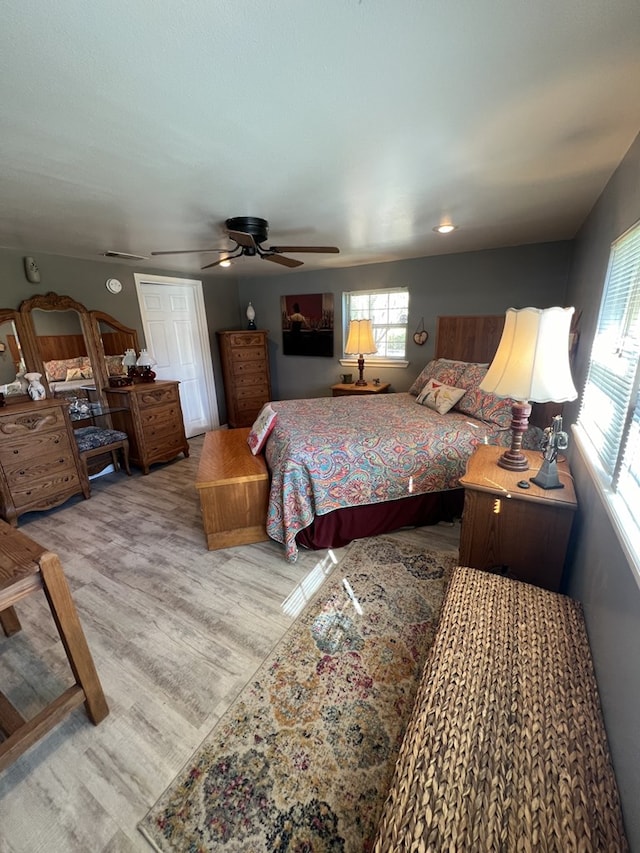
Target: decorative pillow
pixel 445 370
pixel 439 397
pixel 480 404
pixel 115 367
pixel 261 428
pixel 56 369
pixel 74 373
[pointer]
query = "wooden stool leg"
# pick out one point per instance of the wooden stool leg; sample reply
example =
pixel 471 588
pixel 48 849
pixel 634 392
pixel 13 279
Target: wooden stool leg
pixel 125 457
pixel 66 618
pixel 10 622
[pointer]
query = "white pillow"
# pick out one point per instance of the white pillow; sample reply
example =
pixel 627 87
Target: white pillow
pixel 439 397
pixel 261 428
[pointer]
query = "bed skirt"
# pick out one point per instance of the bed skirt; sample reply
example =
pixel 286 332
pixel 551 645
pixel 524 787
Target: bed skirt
pixel 342 526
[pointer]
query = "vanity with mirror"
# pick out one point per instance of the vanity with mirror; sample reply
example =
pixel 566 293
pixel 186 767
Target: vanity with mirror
pixel 78 355
pixel 39 462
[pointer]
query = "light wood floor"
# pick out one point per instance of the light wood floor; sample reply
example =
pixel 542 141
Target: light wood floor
pixel 175 631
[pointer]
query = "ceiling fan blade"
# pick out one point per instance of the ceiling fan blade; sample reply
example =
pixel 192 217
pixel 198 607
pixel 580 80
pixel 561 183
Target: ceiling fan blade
pixel 243 239
pixel 219 261
pixel 188 251
pixel 294 249
pixel 280 259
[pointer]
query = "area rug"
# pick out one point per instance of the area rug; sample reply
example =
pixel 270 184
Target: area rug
pixel 303 758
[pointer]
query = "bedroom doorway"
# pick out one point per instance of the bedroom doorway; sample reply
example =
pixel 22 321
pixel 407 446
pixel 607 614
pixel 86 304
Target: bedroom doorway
pixel 175 331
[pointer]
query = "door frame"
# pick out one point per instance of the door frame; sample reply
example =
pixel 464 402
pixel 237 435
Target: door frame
pixel 195 285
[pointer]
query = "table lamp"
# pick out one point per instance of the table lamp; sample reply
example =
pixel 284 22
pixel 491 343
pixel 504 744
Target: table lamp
pixel 531 365
pixel 360 342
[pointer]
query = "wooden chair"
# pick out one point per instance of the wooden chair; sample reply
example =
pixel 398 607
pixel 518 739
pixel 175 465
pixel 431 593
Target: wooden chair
pixel 25 568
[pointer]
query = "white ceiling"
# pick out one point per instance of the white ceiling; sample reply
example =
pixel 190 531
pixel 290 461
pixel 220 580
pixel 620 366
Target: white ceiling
pixel 141 125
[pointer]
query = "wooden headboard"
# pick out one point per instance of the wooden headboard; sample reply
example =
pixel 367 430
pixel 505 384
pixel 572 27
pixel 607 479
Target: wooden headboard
pixel 469 338
pixel 61 346
pixel 477 339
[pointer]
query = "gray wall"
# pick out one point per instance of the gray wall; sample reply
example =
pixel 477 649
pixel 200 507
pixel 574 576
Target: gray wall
pixel 84 281
pixel 601 577
pixel 485 282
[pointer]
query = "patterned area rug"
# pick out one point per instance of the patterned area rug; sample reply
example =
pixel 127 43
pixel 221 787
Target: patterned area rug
pixel 303 759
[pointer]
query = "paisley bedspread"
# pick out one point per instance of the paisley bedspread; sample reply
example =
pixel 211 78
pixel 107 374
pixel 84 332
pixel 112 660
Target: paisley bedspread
pixel 333 452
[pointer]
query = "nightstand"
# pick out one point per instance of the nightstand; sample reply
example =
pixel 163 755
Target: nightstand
pixel 342 390
pixel 520 533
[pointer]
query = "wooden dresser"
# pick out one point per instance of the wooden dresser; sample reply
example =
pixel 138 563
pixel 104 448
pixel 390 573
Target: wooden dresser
pixel 247 381
pixel 39 463
pixel 151 415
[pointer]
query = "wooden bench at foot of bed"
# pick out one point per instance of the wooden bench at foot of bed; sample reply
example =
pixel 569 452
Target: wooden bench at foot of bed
pixel 234 490
pixel 506 747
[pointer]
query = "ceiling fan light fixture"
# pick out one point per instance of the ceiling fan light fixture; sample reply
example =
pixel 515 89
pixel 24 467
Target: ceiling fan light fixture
pixel 225 263
pixel 445 228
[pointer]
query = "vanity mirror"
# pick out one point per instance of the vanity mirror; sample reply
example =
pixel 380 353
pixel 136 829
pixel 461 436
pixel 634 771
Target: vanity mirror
pixel 112 340
pixel 13 365
pixel 59 335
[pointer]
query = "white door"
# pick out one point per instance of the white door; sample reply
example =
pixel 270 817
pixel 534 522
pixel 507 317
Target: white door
pixel 175 330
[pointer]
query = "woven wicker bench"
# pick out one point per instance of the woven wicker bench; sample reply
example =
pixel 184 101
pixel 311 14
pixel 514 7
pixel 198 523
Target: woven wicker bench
pixel 506 748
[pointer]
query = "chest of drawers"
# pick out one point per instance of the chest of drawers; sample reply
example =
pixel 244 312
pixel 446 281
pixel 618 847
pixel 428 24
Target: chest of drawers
pixel 247 380
pixel 151 415
pixel 39 463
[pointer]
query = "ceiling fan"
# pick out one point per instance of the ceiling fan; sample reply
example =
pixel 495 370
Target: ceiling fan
pixel 248 234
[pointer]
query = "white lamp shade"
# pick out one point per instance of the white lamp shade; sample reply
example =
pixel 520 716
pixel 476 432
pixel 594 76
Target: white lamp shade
pixel 129 358
pixel 145 360
pixel 251 313
pixel 532 361
pixel 360 338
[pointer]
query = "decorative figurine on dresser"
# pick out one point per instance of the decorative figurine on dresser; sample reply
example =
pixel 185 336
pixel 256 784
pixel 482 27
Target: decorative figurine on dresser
pixel 36 389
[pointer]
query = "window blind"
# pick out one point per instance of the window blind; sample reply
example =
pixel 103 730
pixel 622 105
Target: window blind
pixel 609 414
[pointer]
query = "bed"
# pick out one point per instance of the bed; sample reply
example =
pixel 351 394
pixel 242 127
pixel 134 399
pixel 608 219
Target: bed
pixel 347 467
pixel 67 366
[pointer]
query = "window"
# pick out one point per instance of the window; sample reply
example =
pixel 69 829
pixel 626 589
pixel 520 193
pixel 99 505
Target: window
pixel 388 311
pixel 609 420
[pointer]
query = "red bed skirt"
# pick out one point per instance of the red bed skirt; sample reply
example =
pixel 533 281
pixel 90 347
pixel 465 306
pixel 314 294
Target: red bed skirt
pixel 342 526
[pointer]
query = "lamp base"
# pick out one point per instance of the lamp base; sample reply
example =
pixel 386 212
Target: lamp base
pixel 547 476
pixel 514 459
pixel 360 381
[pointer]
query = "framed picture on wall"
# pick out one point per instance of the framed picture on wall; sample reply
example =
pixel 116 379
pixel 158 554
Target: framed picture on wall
pixel 307 324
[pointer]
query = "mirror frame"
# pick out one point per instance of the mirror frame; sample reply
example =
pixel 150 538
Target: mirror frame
pixel 8 315
pixel 55 302
pixel 98 317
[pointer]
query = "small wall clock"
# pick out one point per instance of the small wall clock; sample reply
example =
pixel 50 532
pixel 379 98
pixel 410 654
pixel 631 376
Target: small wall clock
pixel 113 285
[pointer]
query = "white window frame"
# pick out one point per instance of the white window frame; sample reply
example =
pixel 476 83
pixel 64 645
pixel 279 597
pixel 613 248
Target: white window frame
pixel 608 429
pixel 380 361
